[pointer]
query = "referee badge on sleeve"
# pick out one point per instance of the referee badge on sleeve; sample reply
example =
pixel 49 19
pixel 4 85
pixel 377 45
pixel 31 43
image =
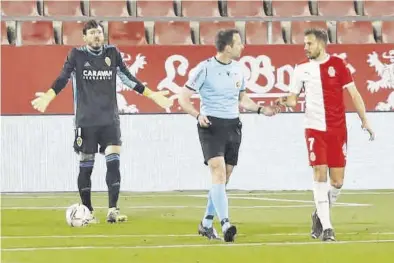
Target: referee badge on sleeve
pixel 238 84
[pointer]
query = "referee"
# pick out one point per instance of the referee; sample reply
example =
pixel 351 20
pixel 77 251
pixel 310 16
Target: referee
pixel 220 82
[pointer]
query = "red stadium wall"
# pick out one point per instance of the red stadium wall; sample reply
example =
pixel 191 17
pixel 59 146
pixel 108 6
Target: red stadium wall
pixel 26 70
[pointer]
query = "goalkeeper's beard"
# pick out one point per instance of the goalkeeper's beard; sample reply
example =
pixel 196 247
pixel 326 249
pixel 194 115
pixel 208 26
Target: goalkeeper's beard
pixel 95 48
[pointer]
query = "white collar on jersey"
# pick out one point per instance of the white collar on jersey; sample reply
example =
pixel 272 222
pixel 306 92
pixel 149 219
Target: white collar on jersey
pixel 322 61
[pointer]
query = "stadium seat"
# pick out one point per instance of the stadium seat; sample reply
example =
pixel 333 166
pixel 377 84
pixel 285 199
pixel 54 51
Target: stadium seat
pixel 204 8
pixel 290 8
pixel 378 8
pixel 336 8
pixel 256 33
pixel 298 28
pixel 4 37
pixel 126 33
pixel 208 31
pixel 19 8
pixel 172 33
pixel 155 8
pixel 37 33
pixel 108 8
pixel 360 32
pixel 62 8
pixel 239 8
pixel 72 33
pixel 277 33
pixel 388 31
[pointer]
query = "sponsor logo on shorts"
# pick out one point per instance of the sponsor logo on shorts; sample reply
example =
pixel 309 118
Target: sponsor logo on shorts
pixel 79 141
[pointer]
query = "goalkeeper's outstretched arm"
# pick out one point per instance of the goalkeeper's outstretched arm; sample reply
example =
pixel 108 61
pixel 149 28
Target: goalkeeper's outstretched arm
pixel 132 82
pixel 44 98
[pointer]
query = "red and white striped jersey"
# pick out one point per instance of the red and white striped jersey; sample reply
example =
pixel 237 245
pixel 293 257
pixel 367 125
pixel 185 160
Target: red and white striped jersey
pixel 323 83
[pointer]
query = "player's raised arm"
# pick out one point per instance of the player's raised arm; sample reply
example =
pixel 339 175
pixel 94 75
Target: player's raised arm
pixel 127 78
pixel 132 82
pixel 296 86
pixel 44 98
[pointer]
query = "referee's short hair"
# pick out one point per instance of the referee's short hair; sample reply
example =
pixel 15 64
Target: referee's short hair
pixel 225 37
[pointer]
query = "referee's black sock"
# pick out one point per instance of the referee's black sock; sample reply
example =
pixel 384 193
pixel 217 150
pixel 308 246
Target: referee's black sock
pixel 113 178
pixel 84 182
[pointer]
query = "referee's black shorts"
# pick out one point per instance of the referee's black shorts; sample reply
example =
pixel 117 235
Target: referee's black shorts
pixel 222 138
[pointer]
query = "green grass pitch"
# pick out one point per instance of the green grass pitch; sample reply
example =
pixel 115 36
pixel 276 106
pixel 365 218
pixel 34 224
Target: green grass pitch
pixel 162 227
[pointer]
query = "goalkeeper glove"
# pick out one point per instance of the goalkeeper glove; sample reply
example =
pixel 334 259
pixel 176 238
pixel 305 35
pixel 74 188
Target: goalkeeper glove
pixel 43 99
pixel 158 97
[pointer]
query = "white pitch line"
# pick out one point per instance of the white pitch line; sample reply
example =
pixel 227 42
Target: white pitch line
pixel 310 193
pixel 244 198
pixel 153 207
pixel 17 249
pixel 27 196
pixel 302 192
pixel 142 195
pixel 177 207
pixel 100 236
pixel 178 235
pixel 287 200
pixel 296 201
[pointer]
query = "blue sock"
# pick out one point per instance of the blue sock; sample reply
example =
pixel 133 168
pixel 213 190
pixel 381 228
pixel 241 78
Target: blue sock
pixel 209 212
pixel 219 199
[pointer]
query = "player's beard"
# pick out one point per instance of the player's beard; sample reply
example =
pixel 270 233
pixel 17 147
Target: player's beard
pixel 96 44
pixel 316 55
pixel 96 47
